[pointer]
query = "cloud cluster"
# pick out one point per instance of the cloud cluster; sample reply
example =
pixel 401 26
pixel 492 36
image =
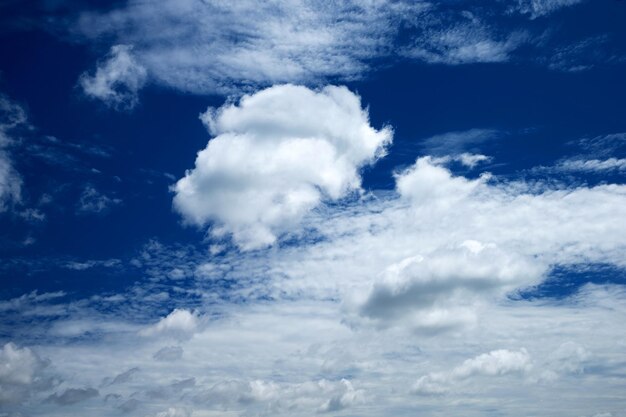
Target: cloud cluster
pixel 275 156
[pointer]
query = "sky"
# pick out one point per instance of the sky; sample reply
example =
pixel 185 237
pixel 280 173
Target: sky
pixel 357 208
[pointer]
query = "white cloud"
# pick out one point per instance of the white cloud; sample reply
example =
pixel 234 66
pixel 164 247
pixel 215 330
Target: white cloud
pixel 117 80
pixel 180 323
pixel 442 290
pixel 10 182
pixel 454 143
pixel 537 8
pixel 12 117
pixel 461 39
pixel 213 47
pixel 593 165
pixel 275 156
pixel 495 363
pixel 20 374
pixel 82 265
pixel 209 47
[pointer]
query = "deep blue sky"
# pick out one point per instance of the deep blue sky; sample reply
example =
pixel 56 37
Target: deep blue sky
pixel 538 88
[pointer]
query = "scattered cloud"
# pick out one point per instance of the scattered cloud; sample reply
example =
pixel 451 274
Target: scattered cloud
pixel 456 143
pixel 214 47
pixel 93 201
pixel 462 39
pixel 117 80
pixel 538 8
pixel 275 156
pixel 83 265
pixel 169 354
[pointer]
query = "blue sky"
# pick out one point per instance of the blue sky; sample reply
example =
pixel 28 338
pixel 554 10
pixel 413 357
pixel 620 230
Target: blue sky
pixel 291 208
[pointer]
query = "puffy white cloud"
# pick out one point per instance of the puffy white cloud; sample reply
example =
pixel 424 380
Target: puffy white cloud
pixel 495 363
pixel 460 37
pixel 275 156
pixel 441 290
pixel 180 323
pixel 20 374
pixel 117 80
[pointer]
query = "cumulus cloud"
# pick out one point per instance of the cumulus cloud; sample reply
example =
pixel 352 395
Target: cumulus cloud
pixel 117 80
pixel 323 396
pixel 20 374
pixel 275 156
pixel 495 363
pixel 440 291
pixel 180 323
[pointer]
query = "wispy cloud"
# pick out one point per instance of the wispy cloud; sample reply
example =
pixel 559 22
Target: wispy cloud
pixel 117 80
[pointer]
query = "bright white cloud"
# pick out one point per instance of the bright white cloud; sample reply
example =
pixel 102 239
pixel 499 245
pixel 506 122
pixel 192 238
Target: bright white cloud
pixel 179 323
pixel 275 156
pixel 117 80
